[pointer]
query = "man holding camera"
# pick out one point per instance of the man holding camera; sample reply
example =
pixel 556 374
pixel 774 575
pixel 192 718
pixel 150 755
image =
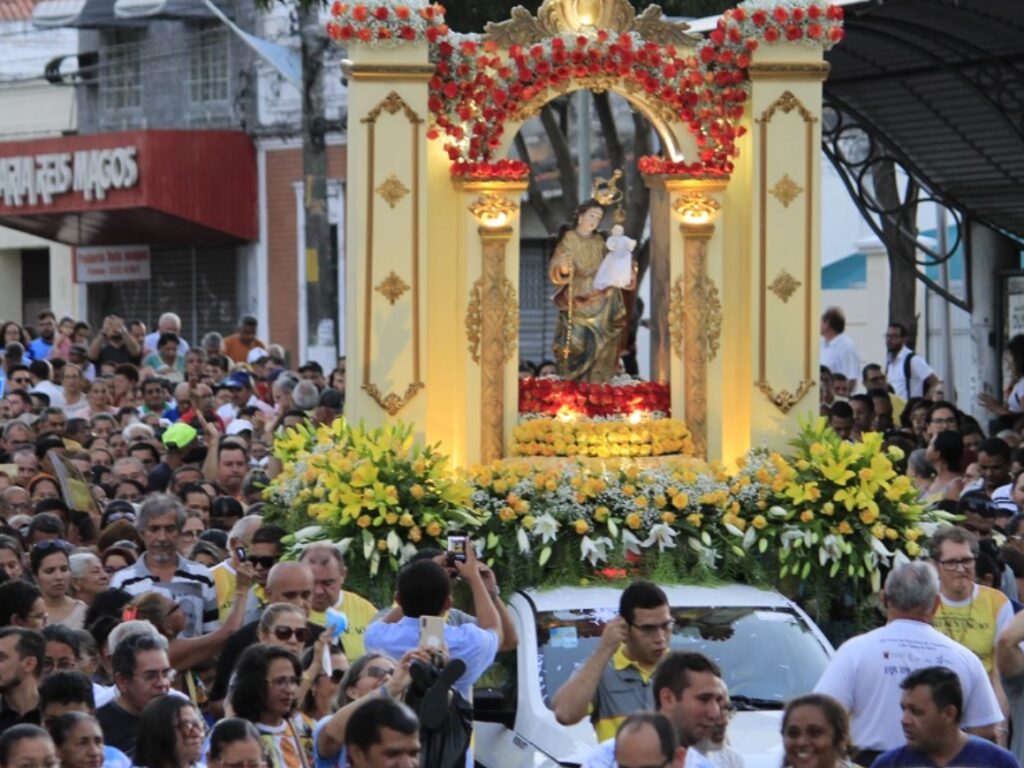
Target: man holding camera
pixel 424 589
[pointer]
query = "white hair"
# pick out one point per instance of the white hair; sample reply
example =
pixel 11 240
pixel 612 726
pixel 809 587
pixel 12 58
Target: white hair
pixel 129 433
pixel 79 561
pixel 130 629
pixel 245 528
pixel 169 317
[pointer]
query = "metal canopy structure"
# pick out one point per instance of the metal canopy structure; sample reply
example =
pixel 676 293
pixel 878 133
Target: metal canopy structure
pixel 937 86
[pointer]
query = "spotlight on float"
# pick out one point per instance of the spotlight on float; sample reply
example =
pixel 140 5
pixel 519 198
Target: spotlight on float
pixel 493 210
pixel 696 208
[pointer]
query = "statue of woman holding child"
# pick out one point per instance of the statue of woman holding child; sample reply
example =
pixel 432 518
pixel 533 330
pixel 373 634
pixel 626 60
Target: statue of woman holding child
pixel 592 314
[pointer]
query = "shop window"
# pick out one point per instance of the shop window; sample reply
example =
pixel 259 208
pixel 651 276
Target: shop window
pixel 209 65
pixel 121 72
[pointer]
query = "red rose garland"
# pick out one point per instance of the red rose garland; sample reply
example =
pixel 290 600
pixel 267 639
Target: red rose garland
pixel 582 399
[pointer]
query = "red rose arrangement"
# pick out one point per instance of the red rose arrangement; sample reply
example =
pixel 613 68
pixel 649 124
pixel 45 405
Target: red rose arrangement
pixel 385 24
pixel 499 170
pixel 553 397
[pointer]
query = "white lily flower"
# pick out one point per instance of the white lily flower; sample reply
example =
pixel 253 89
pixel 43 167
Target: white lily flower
pixel 309 533
pixel 900 559
pixel 788 537
pixel 632 542
pixel 879 549
pixel 394 543
pixel 406 554
pixel 662 535
pixel 733 530
pixel 707 557
pixel 343 545
pixel 749 537
pixel 777 511
pixel 595 550
pixel 547 528
pixel 523 541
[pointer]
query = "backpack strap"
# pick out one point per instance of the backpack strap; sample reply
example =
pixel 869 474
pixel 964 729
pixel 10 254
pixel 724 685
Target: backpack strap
pixel 906 374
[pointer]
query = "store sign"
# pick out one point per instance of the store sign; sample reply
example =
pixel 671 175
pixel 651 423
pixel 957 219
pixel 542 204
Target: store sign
pixel 39 179
pixel 112 264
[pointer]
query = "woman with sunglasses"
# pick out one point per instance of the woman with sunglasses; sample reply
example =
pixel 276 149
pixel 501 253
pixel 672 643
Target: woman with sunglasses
pixel 319 689
pixel 51 568
pixel 169 734
pixel 235 743
pixel 284 625
pixel 266 681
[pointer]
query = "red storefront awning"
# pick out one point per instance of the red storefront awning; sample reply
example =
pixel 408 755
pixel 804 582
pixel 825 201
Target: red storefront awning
pixel 156 187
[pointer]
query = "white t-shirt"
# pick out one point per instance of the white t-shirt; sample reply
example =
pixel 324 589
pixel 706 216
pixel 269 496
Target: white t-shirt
pixel 919 371
pixel 840 356
pixel 866 672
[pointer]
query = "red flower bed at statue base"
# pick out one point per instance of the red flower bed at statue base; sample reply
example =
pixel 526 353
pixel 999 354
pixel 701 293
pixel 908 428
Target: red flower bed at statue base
pixel 553 397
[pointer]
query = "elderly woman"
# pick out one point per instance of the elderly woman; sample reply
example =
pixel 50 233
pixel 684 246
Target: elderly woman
pixel 88 578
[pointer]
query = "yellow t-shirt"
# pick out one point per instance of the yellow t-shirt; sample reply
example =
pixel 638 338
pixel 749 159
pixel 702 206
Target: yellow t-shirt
pixel 360 612
pixel 976 622
pixel 224 580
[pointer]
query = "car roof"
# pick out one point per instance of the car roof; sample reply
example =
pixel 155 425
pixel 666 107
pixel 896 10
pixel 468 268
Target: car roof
pixel 679 595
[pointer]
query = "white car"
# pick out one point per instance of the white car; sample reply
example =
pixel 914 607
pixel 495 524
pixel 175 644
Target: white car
pixel 768 649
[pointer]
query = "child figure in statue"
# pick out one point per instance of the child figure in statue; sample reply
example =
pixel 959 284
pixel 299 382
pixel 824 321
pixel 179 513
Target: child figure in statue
pixel 591 321
pixel 616 269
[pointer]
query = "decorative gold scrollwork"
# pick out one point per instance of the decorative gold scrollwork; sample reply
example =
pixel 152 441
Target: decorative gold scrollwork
pixel 391 402
pixel 784 400
pixel 707 315
pixel 507 310
pixel 784 285
pixel 392 287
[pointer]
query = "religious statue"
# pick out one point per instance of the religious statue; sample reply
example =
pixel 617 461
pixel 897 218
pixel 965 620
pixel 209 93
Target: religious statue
pixel 591 320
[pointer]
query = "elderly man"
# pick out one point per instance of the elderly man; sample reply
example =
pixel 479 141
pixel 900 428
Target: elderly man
pixel 646 739
pixel 240 537
pixel 142 673
pixel 329 574
pixel 162 569
pixel 14 501
pixel 865 674
pixel 168 323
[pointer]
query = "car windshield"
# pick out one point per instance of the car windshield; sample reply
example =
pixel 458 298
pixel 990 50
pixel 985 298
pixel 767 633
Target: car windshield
pixel 766 655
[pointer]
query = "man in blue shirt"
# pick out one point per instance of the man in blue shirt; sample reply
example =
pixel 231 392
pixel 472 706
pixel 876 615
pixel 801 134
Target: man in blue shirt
pixel 42 345
pixel 424 589
pixel 932 704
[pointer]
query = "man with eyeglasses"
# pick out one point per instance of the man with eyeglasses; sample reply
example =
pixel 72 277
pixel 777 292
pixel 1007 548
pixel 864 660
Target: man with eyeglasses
pixel 616 679
pixel 22 652
pixel 14 501
pixel 971 614
pixel 865 673
pixel 142 672
pixel 908 373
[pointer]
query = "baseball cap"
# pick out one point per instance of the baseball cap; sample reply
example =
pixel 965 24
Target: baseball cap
pixel 256 354
pixel 238 379
pixel 238 426
pixel 179 435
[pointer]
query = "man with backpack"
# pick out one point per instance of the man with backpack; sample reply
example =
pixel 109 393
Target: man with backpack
pixel 907 373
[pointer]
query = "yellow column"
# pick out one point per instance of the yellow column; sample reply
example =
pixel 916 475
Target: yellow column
pixel 491 311
pixel 784 172
pixel 387 210
pixel 695 312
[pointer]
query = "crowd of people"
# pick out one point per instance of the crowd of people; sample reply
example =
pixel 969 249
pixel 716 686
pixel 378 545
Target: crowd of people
pixel 157 625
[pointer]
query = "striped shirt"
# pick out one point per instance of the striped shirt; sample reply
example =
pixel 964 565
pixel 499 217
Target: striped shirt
pixel 191 587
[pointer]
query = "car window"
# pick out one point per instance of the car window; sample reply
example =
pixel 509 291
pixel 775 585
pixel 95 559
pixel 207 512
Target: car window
pixel 767 655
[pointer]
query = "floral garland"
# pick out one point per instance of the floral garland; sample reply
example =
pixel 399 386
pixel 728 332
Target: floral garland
pixel 652 165
pixel 601 439
pixel 476 89
pixel 499 170
pixel 553 396
pixel 386 24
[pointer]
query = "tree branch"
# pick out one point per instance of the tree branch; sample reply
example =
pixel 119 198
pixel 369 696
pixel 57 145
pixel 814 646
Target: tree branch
pixel 548 215
pixel 609 131
pixel 563 157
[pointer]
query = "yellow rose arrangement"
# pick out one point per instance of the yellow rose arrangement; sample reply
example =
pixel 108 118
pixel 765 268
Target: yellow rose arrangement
pixel 379 494
pixel 601 439
pixel 837 510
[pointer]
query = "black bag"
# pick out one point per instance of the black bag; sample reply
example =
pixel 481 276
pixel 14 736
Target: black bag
pixel 446 718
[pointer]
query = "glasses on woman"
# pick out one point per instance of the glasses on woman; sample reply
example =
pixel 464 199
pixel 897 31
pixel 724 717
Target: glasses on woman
pixel 284 682
pixel 379 673
pixel 56 544
pixel 189 726
pixel 285 633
